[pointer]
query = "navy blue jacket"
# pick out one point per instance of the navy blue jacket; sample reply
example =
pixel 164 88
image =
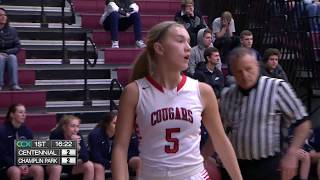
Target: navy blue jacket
pixel 314 140
pixel 277 73
pixel 83 154
pixel 192 24
pixel 7 137
pixel 9 40
pixel 215 79
pixel 100 147
pixel 133 147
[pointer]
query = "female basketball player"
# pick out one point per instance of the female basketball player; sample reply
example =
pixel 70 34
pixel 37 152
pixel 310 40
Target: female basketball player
pixel 167 108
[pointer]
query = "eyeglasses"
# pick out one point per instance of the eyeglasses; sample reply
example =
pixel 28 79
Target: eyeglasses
pixel 3 15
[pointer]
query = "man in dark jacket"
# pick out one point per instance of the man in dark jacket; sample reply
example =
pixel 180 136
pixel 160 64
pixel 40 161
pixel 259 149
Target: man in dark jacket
pixel 9 47
pixel 192 20
pixel 208 72
pixel 270 65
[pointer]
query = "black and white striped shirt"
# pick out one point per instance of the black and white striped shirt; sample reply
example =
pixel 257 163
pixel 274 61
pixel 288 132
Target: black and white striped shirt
pixel 254 118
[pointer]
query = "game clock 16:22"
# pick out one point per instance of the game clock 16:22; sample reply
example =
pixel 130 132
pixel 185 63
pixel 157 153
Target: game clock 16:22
pixel 63 144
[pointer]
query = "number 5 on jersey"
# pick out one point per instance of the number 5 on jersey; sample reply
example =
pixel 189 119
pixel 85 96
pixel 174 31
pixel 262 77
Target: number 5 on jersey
pixel 175 141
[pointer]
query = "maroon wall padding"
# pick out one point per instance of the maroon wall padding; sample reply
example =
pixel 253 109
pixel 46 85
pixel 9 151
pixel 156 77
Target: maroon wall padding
pixel 101 37
pixel 26 77
pixel 21 56
pixel 38 122
pixel 5 99
pixel 123 75
pixel 41 123
pixel 159 7
pixel 28 98
pixel 86 6
pixel 120 55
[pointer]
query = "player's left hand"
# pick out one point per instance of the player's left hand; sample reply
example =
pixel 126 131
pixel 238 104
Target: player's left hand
pixel 289 165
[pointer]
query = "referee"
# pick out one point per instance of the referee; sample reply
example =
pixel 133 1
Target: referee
pixel 253 111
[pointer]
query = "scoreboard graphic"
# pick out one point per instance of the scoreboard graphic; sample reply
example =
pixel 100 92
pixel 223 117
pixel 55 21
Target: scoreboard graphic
pixel 46 152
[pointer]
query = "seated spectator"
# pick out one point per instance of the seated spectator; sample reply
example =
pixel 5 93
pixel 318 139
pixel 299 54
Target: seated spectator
pixel 68 129
pixel 314 142
pixel 100 145
pixel 204 41
pixel 270 64
pixel 303 156
pixel 246 40
pixel 100 142
pixel 120 15
pixel 12 129
pixel 208 72
pixel 134 161
pixel 312 7
pixel 9 47
pixel 223 30
pixel 191 19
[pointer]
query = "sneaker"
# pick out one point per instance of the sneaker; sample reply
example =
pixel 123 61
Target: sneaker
pixel 115 44
pixel 140 44
pixel 16 88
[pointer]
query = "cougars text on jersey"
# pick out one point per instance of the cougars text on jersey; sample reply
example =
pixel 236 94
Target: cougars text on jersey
pixel 164 114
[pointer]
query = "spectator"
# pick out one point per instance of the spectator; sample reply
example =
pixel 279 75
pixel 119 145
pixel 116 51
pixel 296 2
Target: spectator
pixel 100 142
pixel 14 128
pixel 253 111
pixel 312 7
pixel 270 65
pixel 208 72
pixel 246 40
pixel 191 19
pixel 204 41
pixel 303 156
pixel 134 161
pixel 68 129
pixel 167 109
pixel 120 15
pixel 314 142
pixel 9 47
pixel 223 30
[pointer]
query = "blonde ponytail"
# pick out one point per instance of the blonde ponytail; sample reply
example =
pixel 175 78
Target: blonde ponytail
pixel 141 66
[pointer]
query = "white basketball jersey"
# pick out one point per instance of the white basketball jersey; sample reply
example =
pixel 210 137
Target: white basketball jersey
pixel 168 125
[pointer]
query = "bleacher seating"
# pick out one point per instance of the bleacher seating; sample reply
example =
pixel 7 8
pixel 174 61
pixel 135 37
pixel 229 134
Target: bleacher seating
pixel 53 79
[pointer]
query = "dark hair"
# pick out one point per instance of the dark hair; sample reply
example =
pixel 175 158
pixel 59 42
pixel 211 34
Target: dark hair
pixel 208 51
pixel 105 123
pixel 7 23
pixel 270 52
pixel 12 109
pixel 238 53
pixel 245 33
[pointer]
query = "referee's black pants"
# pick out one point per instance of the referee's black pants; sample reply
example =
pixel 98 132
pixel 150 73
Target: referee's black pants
pixel 263 169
